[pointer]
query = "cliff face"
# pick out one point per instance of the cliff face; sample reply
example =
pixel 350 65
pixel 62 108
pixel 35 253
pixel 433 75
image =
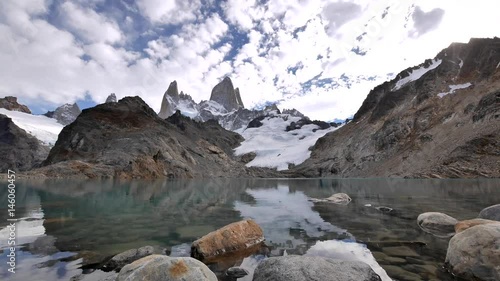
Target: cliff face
pixel 128 140
pixel 20 151
pixel 439 119
pixel 225 94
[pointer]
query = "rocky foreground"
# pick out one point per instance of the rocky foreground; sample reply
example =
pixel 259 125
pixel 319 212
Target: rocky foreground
pixel 438 120
pixel 473 254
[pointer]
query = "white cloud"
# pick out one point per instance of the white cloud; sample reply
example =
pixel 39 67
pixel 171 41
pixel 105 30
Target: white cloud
pixel 169 11
pixel 90 25
pixel 289 43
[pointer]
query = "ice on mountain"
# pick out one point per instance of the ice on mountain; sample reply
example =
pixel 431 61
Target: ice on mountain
pixel 416 74
pixel 453 88
pixel 41 127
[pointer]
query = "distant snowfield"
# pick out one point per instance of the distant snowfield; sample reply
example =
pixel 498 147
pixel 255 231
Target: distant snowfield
pixel 276 148
pixel 453 88
pixel 41 127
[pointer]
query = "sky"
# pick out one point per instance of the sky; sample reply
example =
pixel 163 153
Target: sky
pixel 321 57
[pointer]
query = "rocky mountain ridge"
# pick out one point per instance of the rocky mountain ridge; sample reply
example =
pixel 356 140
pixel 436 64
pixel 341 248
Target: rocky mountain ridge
pixel 438 119
pixel 225 106
pixel 127 139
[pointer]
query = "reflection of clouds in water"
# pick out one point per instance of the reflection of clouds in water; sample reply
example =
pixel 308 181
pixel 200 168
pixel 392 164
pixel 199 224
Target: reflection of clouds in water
pixel 347 251
pixel 278 210
pixel 29 225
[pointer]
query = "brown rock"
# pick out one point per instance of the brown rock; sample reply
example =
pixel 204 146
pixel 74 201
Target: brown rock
pixel 231 238
pixel 463 225
pixel 11 103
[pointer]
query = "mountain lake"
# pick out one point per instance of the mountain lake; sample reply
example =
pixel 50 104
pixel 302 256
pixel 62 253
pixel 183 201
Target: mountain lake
pixel 66 228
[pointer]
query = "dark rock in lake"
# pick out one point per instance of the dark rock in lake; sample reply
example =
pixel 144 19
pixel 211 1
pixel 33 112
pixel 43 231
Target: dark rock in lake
pixel 438 224
pixel 122 259
pixel 491 213
pixel 163 268
pixel 300 268
pixel 236 272
pixel 474 254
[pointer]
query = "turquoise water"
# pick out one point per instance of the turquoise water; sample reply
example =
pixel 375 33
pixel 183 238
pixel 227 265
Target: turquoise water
pixel 67 227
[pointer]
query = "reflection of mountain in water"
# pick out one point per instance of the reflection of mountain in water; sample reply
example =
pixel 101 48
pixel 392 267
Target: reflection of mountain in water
pixel 281 213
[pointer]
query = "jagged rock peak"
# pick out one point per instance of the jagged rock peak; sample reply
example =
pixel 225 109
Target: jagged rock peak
pixel 170 98
pixel 65 114
pixel 225 94
pixel 111 98
pixel 10 103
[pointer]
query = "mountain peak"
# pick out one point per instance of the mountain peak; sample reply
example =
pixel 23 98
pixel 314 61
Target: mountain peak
pixel 111 98
pixel 225 94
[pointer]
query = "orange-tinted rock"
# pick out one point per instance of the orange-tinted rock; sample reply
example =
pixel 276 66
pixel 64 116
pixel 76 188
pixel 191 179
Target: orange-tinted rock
pixel 463 225
pixel 231 238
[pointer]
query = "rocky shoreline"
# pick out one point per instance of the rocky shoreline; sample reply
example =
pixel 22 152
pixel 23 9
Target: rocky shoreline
pixel 472 254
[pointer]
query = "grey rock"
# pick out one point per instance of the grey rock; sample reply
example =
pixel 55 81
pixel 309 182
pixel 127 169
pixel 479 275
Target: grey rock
pixel 491 213
pixel 236 272
pixel 10 103
pixel 129 256
pixel 338 198
pixel 437 224
pixel 300 268
pixel 65 114
pixel 163 268
pixel 225 94
pixel 111 98
pixel 474 253
pixel 19 151
pixel 169 101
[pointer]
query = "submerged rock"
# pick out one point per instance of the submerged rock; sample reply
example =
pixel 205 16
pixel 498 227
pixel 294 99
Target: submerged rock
pixel 437 224
pixel 129 256
pixel 236 272
pixel 463 225
pixel 300 268
pixel 339 198
pixel 163 268
pixel 231 238
pixel 491 213
pixel 475 253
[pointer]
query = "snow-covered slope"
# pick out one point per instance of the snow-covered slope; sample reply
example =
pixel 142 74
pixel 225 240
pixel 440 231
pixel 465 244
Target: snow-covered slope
pixel 41 127
pixel 276 147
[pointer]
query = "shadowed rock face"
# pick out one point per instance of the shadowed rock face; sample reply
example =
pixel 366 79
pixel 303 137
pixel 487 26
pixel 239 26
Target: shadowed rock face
pixel 225 94
pixel 20 151
pixel 422 128
pixel 128 140
pixel 11 103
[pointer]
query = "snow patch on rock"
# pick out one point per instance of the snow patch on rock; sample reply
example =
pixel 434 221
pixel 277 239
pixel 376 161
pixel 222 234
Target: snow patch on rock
pixel 41 127
pixel 277 148
pixel 416 74
pixel 454 88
